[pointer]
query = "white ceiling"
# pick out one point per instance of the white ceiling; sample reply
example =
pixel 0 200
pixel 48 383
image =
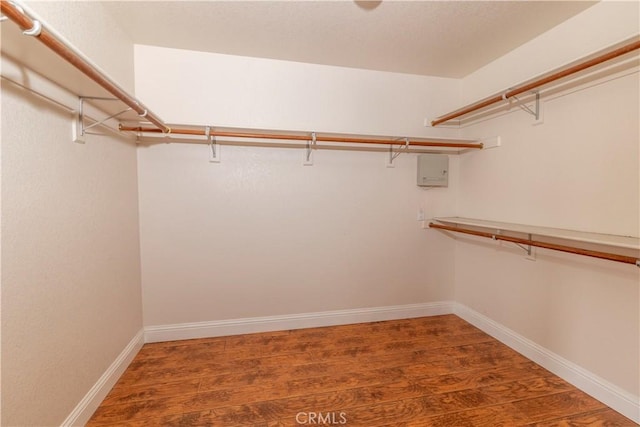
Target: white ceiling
pixel 439 38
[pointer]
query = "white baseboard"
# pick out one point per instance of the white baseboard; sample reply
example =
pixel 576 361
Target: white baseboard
pixel 90 402
pixel 609 394
pixel 250 325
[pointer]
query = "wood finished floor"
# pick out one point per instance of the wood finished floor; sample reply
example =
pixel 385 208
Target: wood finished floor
pixel 431 371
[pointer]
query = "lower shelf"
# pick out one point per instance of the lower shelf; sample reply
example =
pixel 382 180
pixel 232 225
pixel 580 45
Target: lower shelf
pixel 454 224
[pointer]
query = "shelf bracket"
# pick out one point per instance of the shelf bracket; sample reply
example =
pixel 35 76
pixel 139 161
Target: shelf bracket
pixel 394 154
pixel 524 107
pixel 308 154
pixel 526 248
pixel 214 147
pixel 79 128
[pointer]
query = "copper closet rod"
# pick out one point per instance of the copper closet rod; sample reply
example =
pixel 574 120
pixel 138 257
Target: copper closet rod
pixel 319 137
pixel 539 82
pixel 52 42
pixel 570 249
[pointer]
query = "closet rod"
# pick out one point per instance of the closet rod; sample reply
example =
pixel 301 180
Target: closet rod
pixel 570 249
pixel 320 138
pixel 538 82
pixel 36 28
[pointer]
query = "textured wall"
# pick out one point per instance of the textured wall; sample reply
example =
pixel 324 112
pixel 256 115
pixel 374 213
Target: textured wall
pixel 71 298
pixel 93 31
pixel 259 234
pixel 577 170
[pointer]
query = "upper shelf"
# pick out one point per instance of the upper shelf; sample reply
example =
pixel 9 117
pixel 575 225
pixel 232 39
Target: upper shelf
pixel 25 61
pixel 626 242
pixel 366 142
pixel 587 63
pixel 24 43
pixel 32 45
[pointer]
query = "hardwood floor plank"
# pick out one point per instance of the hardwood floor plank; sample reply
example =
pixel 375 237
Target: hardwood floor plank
pixel 601 418
pixel 163 349
pixel 321 402
pixel 480 377
pixel 558 405
pixel 433 371
pixel 122 414
pixel 526 388
pixel 124 394
pixel 283 384
pixel 506 415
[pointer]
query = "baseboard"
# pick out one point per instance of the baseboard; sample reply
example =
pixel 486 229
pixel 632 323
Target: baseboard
pixel 250 325
pixel 609 394
pixel 90 402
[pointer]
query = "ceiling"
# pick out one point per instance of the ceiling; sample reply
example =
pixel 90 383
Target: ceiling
pixel 438 38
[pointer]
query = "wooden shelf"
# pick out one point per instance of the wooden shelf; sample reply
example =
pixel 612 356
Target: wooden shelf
pixel 626 242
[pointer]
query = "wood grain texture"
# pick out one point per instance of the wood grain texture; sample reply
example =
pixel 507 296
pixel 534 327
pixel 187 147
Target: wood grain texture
pixel 432 371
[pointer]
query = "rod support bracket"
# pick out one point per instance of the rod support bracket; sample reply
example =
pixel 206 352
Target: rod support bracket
pixel 535 112
pixel 526 248
pixel 308 154
pixel 214 147
pixel 394 154
pixel 79 129
pixel 35 30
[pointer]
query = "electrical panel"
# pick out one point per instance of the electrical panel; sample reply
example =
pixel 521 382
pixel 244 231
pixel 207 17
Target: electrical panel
pixel 433 170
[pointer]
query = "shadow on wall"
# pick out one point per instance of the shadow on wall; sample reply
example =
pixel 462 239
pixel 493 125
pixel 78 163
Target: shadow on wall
pixel 367 4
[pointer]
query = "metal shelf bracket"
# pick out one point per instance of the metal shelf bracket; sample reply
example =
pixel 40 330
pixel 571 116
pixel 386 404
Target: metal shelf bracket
pixel 214 147
pixel 394 154
pixel 79 130
pixel 523 106
pixel 308 154
pixel 527 248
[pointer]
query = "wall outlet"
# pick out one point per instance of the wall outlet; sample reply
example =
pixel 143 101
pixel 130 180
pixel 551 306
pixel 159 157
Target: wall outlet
pixel 421 215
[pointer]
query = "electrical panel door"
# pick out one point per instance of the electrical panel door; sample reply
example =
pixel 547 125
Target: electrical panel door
pixel 433 170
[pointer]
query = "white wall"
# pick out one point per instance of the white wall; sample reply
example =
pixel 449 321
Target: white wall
pixel 259 234
pixel 577 170
pixel 71 298
pixel 598 27
pixel 92 30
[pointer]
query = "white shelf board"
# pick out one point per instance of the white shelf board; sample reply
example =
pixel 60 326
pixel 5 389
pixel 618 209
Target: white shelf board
pixel 27 55
pixel 627 242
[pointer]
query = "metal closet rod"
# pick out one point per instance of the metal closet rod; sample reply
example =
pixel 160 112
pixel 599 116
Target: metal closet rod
pixel 538 82
pixel 562 248
pixel 36 29
pixel 319 137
